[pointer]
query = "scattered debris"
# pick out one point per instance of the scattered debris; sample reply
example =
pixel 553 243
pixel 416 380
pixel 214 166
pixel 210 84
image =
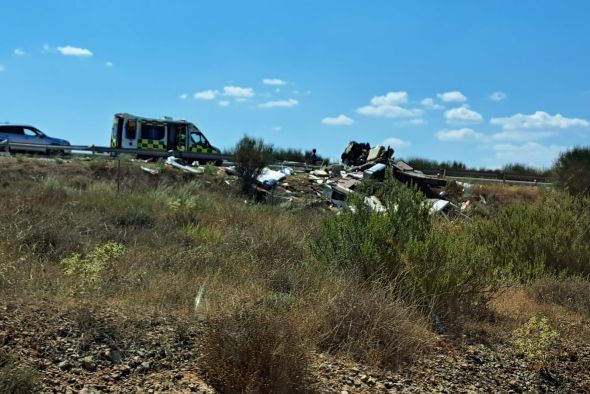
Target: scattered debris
pixel 269 178
pixel 330 185
pixel 183 165
pixel 150 170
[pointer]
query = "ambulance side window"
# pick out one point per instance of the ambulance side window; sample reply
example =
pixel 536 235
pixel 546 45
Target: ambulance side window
pixel 152 132
pixel 131 132
pixel 196 138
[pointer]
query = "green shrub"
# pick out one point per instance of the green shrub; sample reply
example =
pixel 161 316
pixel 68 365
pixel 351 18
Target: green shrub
pixel 90 269
pixel 449 270
pixel 437 266
pixel 371 242
pixel 571 171
pixel 535 339
pixel 531 239
pixel 251 156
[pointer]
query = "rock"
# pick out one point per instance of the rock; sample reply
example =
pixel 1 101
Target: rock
pixel 113 356
pixel 64 365
pixel 145 365
pixel 88 363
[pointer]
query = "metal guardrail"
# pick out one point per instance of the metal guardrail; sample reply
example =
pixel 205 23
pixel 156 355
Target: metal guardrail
pixel 496 176
pixel 8 146
pixel 464 176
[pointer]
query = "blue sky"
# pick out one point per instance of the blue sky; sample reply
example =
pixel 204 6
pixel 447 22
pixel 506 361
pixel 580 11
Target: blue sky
pixel 483 82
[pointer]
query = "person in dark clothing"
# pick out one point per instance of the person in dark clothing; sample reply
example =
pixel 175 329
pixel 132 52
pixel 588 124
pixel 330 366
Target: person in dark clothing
pixel 313 157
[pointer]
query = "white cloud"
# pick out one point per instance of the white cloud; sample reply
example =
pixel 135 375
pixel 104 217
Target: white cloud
pixel 2 68
pixel 279 104
pixel 396 143
pixel 388 106
pixel 340 120
pixel 458 135
pixel 538 120
pixel 183 96
pixel 429 103
pixel 498 96
pixel 388 111
pixel 69 50
pixel 46 49
pixel 273 81
pixel 224 103
pixel 206 95
pixel 462 115
pixel 237 91
pixel 531 153
pixel 414 122
pixel 452 97
pixel 19 52
pixel 108 64
pixel 391 98
pixel 521 136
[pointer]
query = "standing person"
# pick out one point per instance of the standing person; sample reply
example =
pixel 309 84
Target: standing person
pixel 313 157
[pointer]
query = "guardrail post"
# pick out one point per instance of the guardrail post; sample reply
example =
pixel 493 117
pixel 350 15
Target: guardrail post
pixel 118 175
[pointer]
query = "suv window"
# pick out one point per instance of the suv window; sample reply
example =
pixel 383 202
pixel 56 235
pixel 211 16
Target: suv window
pixel 30 132
pixel 11 130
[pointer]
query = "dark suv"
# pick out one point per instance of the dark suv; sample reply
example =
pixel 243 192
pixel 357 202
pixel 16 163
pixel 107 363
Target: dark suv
pixel 22 134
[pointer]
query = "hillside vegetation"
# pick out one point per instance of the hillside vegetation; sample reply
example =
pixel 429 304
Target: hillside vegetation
pixel 261 294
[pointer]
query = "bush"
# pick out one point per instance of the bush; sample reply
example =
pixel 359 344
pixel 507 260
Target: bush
pixel 256 350
pixel 572 292
pixel 251 156
pixel 90 269
pixel 435 266
pixel 535 339
pixel 370 242
pixel 16 378
pixel 371 324
pixel 449 270
pixel 571 171
pixel 531 239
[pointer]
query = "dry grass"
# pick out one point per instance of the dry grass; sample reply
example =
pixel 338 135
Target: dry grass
pixel 370 323
pixel 269 303
pixel 499 195
pixel 16 377
pixel 257 349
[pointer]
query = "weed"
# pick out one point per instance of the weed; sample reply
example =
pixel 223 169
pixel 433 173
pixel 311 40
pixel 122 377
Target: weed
pixel 89 269
pixel 535 338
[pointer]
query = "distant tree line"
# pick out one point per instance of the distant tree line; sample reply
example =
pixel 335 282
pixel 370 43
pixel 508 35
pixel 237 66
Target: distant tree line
pixel 286 154
pixel 514 168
